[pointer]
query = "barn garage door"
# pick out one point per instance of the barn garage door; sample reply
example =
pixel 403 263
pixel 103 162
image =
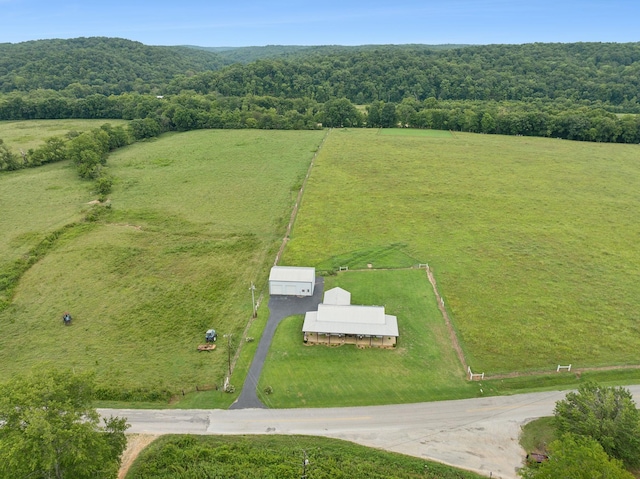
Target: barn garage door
pixel 291 289
pixel 276 289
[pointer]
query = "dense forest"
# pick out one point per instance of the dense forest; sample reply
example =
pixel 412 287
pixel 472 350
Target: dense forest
pixel 83 66
pixel 578 91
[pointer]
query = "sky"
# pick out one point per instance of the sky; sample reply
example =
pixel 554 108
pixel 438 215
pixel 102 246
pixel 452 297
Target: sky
pixel 216 23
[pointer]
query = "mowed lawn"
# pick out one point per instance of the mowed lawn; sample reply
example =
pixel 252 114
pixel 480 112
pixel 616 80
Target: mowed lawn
pixel 422 366
pixel 195 218
pixel 535 243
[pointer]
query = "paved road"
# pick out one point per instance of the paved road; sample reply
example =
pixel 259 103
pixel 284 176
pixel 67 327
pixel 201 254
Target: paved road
pixel 475 434
pixel 280 307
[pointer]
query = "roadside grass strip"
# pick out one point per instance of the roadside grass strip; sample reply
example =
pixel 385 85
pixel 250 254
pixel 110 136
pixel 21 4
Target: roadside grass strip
pixel 279 456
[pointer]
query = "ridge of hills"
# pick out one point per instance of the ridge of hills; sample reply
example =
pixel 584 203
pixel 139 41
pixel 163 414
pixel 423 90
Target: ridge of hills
pixel 608 73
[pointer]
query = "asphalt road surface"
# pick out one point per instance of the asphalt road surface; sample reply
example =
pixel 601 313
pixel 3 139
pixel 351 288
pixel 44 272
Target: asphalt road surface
pixel 476 434
pixel 280 307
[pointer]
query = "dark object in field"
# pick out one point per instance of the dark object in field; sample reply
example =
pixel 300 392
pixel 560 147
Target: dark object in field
pixel 210 336
pixel 536 457
pixel 66 319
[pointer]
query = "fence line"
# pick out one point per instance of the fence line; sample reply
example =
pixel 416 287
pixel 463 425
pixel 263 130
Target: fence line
pixel 294 212
pixel 452 333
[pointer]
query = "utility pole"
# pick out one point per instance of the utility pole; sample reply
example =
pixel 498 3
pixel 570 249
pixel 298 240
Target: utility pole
pixel 228 336
pixel 253 299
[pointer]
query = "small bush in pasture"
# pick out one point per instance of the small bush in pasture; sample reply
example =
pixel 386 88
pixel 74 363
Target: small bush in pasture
pixel 104 184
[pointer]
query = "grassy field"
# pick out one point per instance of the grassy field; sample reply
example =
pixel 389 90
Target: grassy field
pixel 533 241
pixel 412 132
pixel 195 218
pixel 279 457
pixel 422 367
pixel 30 134
pixel 42 200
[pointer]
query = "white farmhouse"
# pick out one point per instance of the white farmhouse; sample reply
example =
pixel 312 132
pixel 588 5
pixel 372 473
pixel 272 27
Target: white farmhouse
pixel 337 322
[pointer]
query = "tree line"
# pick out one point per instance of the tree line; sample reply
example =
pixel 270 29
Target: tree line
pixel 580 91
pixel 188 110
pixel 88 152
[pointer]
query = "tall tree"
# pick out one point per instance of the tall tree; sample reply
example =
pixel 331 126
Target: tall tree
pixel 606 414
pixel 373 114
pixel 341 112
pixel 8 159
pixel 49 430
pixel 576 457
pixel 388 118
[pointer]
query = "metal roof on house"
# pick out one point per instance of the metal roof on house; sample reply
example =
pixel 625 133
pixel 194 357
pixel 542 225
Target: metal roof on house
pixel 350 319
pixel 337 296
pixel 292 273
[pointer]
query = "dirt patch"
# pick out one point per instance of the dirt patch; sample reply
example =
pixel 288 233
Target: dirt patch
pixel 135 444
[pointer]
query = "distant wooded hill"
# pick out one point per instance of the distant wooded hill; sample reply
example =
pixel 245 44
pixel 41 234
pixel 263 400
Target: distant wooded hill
pixel 577 91
pixel 98 65
pixel 250 54
pixel 596 72
pixel 604 73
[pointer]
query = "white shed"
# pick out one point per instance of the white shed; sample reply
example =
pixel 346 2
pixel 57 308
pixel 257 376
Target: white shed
pixel 292 280
pixel 337 296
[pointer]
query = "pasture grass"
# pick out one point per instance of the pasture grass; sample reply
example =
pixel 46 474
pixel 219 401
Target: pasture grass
pixel 533 241
pixel 422 367
pixel 27 134
pixel 195 218
pixel 36 202
pixel 415 132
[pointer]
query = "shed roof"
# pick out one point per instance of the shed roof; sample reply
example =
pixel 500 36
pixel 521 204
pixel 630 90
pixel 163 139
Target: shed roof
pixel 337 295
pixel 292 273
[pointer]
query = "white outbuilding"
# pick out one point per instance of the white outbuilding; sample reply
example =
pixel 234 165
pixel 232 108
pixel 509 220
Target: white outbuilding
pixel 337 296
pixel 292 281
